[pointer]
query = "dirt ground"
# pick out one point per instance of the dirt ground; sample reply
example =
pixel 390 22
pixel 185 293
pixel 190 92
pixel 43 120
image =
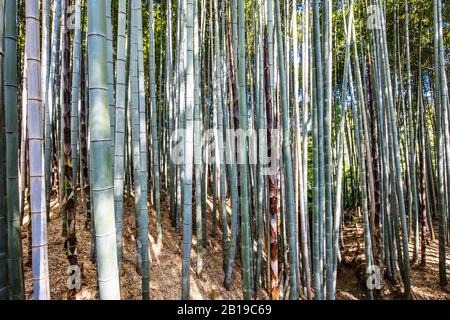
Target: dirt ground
pixel 165 268
pixel 424 279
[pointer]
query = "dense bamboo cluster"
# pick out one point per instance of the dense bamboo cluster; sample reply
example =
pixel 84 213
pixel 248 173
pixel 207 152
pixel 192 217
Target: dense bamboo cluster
pixel 267 124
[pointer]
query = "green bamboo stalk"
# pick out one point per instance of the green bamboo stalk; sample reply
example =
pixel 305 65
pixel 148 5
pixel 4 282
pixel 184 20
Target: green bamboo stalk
pixel 197 145
pixel 170 106
pixel 15 266
pixel 328 101
pixel 83 122
pixel 445 109
pixel 64 65
pixel 213 121
pixel 111 86
pixel 317 156
pixel 206 126
pixel 155 138
pixel 180 107
pixel 389 202
pixel 143 175
pixel 243 161
pixel 288 171
pixel 298 162
pixel 412 137
pixel 366 154
pixel 394 152
pixel 135 138
pixel 357 121
pixel 424 202
pixel 219 132
pixel 4 290
pixel 340 151
pixel 441 101
pixel 231 155
pixel 75 97
pixel 45 55
pixel 23 168
pixel 306 71
pixel 67 173
pixel 41 285
pixel 101 178
pixel 188 149
pixel 260 126
pixel 120 108
pixel 49 102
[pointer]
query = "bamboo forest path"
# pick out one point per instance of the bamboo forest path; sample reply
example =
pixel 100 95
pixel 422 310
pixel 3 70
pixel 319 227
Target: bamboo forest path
pixel 165 268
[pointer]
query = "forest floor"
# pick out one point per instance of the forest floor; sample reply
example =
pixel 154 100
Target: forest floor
pixel 165 264
pixel 351 282
pixel 166 261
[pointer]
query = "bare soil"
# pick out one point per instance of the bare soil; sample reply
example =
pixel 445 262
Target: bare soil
pixel 165 267
pixel 351 276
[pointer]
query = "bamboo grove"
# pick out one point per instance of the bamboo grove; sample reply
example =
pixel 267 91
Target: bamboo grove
pixel 289 117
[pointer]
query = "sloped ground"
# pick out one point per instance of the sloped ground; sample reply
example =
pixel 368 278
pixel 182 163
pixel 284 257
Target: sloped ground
pixel 424 279
pixel 165 268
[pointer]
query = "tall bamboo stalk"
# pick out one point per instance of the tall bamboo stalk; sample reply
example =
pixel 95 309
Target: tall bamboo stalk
pixel 188 149
pixel 340 151
pixel 111 96
pixel 412 137
pixel 243 161
pixel 4 290
pixel 441 134
pixel 41 285
pixel 143 174
pixel 120 117
pixel 394 154
pixel 100 136
pixel 50 100
pixel 67 173
pixel 154 120
pixel 197 144
pixel 15 268
pixel 75 96
pixel 328 100
pixel 288 173
pixel 317 157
